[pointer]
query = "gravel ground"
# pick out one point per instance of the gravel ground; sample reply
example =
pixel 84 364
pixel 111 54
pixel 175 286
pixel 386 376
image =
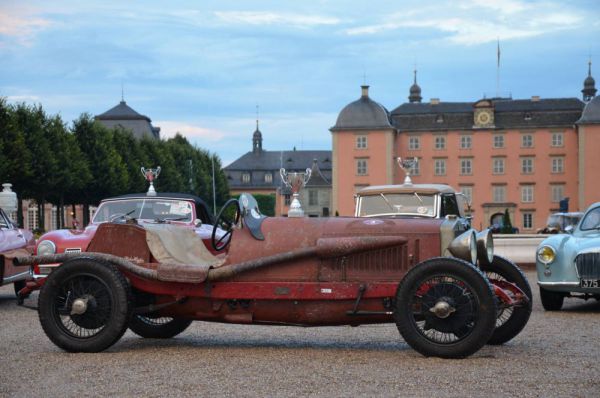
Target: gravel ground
pixel 557 354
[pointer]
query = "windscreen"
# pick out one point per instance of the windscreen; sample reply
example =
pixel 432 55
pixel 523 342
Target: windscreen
pixel 144 209
pixel 411 204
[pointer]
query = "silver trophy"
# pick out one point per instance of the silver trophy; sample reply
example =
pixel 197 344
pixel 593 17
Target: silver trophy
pixel 150 175
pixel 295 181
pixel 407 165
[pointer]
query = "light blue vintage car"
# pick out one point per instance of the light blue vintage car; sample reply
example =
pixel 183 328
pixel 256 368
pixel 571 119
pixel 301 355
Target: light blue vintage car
pixel 568 265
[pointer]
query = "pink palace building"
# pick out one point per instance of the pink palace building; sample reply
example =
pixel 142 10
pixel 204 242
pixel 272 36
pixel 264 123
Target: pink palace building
pixel 524 155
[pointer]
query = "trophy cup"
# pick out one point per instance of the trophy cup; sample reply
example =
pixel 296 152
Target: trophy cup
pixel 295 181
pixel 407 165
pixel 150 175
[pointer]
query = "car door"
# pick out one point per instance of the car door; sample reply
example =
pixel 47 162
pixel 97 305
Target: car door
pixel 12 241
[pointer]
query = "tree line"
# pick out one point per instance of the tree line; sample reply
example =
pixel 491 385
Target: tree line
pixel 51 162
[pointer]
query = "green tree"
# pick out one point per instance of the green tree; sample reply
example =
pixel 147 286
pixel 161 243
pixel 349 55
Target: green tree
pixel 507 227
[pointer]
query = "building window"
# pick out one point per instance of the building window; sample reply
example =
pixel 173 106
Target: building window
pixel 467 190
pixel 466 166
pixel 32 217
pixel 527 165
pixel 498 166
pixel 287 200
pixel 558 164
pixel 466 141
pixel 313 196
pixel 557 192
pixel 526 193
pixel 527 141
pixel 440 167
pixel 54 214
pixel 498 141
pixel 440 142
pixel 246 178
pixel 414 143
pixel 557 139
pixel 499 193
pixel 527 220
pixel 361 167
pixel 361 142
pixel 415 170
pixel 268 178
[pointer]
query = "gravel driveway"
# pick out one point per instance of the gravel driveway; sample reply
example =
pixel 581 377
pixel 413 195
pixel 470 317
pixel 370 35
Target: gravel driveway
pixel 558 354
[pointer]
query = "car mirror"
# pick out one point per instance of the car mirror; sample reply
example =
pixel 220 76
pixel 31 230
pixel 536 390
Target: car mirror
pixel 569 229
pixel 198 222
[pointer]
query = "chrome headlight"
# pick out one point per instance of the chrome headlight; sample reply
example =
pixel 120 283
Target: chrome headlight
pixel 546 254
pixel 464 246
pixel 485 246
pixel 46 247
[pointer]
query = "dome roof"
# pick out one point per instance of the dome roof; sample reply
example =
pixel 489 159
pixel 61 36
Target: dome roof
pixel 415 91
pixel 589 82
pixel 591 112
pixel 122 112
pixel 363 113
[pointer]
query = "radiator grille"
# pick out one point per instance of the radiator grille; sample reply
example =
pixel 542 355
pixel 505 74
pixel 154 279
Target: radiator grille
pixel 588 265
pixel 382 264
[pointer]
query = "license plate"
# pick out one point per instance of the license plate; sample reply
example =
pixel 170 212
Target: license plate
pixel 589 283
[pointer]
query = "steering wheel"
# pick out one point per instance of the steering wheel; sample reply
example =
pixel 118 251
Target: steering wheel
pixel 226 223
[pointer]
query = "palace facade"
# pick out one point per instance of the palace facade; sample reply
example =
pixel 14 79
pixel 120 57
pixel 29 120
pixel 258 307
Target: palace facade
pixel 524 155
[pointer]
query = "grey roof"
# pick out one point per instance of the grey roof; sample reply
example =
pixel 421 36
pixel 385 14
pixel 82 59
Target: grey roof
pixel 363 114
pixel 508 113
pixel 122 112
pixel 274 160
pixel 591 112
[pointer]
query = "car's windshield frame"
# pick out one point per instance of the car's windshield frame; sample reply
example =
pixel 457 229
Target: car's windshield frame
pixel 587 219
pixel 388 195
pixel 184 215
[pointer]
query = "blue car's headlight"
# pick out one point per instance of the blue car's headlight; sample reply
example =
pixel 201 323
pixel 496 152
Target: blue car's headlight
pixel 546 254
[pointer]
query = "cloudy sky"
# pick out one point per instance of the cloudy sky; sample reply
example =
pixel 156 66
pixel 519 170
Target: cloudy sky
pixel 202 67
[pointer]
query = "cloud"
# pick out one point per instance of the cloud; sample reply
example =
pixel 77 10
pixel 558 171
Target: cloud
pixel 21 23
pixel 169 129
pixel 474 22
pixel 272 18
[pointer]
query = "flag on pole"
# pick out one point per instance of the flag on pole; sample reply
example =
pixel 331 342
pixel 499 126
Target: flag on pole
pixel 498 53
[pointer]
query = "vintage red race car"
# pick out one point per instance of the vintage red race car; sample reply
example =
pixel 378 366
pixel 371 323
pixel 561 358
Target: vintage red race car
pixel 423 274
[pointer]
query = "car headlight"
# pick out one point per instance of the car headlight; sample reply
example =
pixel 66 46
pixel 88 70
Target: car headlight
pixel 485 246
pixel 46 247
pixel 546 254
pixel 464 246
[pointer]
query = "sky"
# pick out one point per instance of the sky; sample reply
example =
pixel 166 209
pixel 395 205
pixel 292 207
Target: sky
pixel 201 68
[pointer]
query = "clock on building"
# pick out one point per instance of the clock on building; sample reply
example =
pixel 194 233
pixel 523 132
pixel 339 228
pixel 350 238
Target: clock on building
pixel 484 117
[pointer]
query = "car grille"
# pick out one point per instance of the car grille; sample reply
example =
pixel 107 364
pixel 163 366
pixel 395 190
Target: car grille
pixel 588 265
pixel 384 264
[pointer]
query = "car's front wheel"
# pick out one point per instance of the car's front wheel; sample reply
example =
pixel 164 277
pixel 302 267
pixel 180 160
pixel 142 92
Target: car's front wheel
pixel 551 301
pixel 510 321
pixel 157 327
pixel 445 307
pixel 85 305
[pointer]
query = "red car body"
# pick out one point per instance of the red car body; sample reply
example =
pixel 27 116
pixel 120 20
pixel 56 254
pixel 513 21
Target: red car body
pixel 293 271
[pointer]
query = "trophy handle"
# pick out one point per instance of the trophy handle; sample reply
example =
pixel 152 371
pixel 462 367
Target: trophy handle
pixel 157 172
pixel 283 175
pixel 307 176
pixel 143 170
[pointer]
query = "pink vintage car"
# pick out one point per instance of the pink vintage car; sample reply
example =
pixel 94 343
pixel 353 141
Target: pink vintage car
pixel 14 242
pixel 184 210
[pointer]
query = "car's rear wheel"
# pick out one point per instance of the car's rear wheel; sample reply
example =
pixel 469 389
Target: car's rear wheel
pixel 551 301
pixel 445 307
pixel 85 305
pixel 509 321
pixel 157 327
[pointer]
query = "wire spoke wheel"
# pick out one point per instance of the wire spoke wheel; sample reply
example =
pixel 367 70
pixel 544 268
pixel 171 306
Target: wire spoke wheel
pixel 85 305
pixel 445 307
pixel 157 327
pixel 510 321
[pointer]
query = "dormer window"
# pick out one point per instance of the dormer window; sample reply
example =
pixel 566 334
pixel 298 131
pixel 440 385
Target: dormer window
pixel 439 119
pixel 268 178
pixel 527 116
pixel 246 178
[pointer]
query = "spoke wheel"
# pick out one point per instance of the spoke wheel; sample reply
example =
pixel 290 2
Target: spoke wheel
pixel 84 306
pixel 445 307
pixel 510 321
pixel 157 327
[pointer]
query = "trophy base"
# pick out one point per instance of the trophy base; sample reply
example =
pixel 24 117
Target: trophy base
pixel 296 213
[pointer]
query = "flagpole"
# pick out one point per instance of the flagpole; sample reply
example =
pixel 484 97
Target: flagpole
pixel 213 186
pixel 498 70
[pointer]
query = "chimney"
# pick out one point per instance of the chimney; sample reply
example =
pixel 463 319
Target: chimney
pixel 535 98
pixel 364 91
pixel 434 101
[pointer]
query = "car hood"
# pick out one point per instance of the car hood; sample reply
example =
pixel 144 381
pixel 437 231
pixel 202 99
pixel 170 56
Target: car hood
pixel 70 238
pixel 568 246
